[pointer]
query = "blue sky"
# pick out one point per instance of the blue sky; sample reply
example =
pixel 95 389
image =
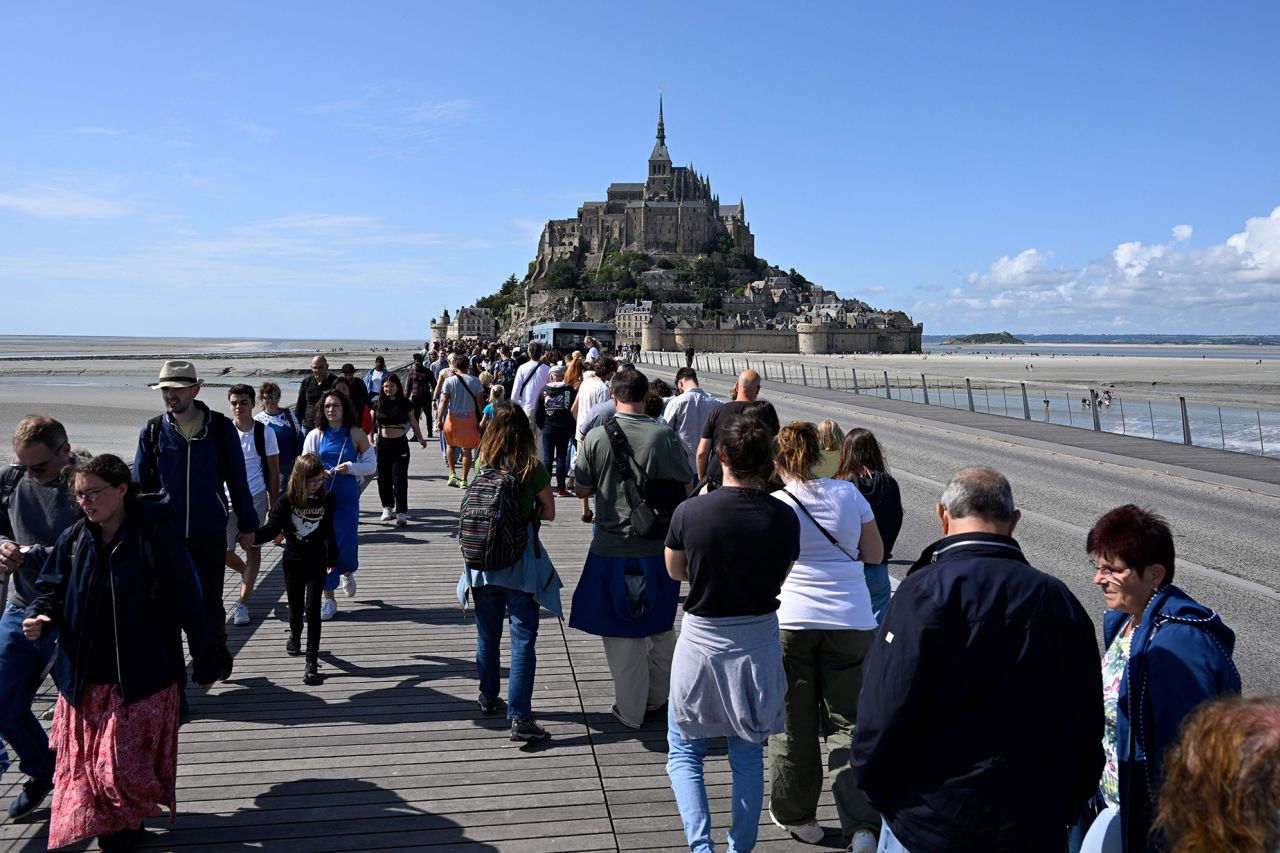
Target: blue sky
pixel 344 170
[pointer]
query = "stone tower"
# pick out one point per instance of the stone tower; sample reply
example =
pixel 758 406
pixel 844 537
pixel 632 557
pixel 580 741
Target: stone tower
pixel 658 186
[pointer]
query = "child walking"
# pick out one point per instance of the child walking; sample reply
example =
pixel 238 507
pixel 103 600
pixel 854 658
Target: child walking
pixel 304 515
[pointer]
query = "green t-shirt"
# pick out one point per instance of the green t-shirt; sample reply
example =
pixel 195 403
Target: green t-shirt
pixel 538 480
pixel 657 450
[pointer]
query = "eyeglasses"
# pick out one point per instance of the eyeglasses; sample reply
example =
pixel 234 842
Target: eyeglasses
pixel 1108 571
pixel 42 467
pixel 271 396
pixel 89 496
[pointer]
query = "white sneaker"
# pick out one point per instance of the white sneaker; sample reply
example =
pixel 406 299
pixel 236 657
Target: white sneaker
pixel 864 841
pixel 809 833
pixel 386 514
pixel 348 584
pixel 239 614
pixel 402 519
pixel 328 609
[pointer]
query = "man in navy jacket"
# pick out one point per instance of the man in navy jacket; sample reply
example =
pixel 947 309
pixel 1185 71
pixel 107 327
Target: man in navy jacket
pixel 980 720
pixel 190 453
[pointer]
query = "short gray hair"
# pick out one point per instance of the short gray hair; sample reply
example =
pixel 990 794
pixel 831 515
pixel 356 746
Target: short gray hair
pixel 981 492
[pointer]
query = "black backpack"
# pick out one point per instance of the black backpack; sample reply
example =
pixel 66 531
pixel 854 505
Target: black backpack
pixel 491 532
pixel 652 502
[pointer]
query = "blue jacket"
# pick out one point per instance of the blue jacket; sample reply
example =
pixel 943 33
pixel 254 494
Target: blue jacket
pixel 154 593
pixel 192 474
pixel 980 718
pixel 1179 656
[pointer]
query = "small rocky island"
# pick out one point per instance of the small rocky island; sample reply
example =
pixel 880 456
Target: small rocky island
pixel 983 338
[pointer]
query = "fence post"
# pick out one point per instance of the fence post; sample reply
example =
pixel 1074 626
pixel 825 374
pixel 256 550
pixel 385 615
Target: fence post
pixel 826 371
pixel 804 376
pixel 1221 429
pixel 1152 416
pixel 856 389
pixel 888 395
pixel 1026 405
pixel 1123 425
pixel 1186 423
pixel 924 383
pixel 968 389
pixel 1070 420
pixel 1262 447
pixel 1093 404
pixel 986 395
pixel 766 369
pixel 1004 396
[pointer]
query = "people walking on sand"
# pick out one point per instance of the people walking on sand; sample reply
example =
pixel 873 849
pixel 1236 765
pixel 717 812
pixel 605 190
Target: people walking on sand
pixel 284 423
pixel 36 505
pixel 393 417
pixel 459 418
pixel 735 547
pixel 304 515
pixel 827 628
pixel 1148 623
pixel 193 454
pixel 348 456
pixel 973 620
pixel 312 387
pixel 553 416
pixel 518 591
pixel 862 463
pixel 119 586
pixel 262 471
pixel 625 595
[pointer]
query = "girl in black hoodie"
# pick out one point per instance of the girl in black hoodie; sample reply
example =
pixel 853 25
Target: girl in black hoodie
pixel 862 462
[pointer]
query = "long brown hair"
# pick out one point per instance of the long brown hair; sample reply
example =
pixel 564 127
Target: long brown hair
pixel 798 451
pixel 507 444
pixel 305 467
pixel 1221 786
pixel 573 373
pixel 860 456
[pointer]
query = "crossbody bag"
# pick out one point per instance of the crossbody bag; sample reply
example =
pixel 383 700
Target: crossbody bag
pixel 824 530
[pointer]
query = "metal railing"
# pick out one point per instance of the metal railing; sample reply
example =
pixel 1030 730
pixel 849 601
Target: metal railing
pixel 1173 419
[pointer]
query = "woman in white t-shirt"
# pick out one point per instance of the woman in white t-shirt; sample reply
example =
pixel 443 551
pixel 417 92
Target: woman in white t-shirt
pixel 827 629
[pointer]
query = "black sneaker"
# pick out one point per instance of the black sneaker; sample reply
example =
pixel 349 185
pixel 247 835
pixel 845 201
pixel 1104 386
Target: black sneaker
pixel 490 705
pixel 32 795
pixel 292 647
pixel 527 731
pixel 311 675
pixel 125 839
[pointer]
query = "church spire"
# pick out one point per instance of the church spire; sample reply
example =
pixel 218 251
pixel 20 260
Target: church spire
pixel 662 133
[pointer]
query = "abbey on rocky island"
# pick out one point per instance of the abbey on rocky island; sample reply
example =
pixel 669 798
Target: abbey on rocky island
pixel 673 212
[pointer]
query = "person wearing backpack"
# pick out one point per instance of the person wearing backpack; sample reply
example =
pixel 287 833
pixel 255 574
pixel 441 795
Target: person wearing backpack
pixel 625 595
pixel 262 470
pixel 284 422
pixel 506 569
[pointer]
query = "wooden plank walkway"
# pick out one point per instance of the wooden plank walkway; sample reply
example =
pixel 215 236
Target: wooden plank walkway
pixel 391 753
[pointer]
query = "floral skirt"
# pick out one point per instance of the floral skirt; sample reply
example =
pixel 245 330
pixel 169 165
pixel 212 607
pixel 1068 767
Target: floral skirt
pixel 117 763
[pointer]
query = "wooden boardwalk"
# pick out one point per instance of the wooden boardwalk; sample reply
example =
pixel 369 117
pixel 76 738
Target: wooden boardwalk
pixel 391 753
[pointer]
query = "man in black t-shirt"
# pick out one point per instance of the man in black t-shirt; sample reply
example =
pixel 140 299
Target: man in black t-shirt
pixel 745 400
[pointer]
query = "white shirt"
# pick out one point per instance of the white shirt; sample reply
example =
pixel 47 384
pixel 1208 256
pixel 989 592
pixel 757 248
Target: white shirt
pixel 253 462
pixel 590 392
pixel 593 354
pixel 826 590
pixel 528 387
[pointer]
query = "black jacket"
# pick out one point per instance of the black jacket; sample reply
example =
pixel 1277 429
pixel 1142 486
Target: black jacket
pixel 308 395
pixel 881 491
pixel 153 590
pixel 309 536
pixel 980 718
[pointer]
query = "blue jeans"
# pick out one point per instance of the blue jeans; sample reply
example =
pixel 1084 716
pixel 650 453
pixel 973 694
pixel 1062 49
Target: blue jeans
pixel 22 664
pixel 889 843
pixel 491 604
pixel 878 585
pixel 555 449
pixel 684 767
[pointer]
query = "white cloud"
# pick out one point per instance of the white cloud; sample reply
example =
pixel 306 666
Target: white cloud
pixel 55 203
pixel 1229 287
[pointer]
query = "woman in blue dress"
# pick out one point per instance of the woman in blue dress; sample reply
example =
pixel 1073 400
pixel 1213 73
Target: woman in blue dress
pixel 348 457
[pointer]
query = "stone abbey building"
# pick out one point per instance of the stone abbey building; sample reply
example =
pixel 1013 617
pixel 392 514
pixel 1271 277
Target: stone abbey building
pixel 674 212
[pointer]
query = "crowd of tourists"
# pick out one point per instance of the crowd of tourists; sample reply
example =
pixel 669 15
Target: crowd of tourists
pixel 967 710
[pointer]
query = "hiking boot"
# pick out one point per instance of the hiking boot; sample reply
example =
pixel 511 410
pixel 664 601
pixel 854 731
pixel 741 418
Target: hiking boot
pixel 328 609
pixel 809 832
pixel 292 647
pixel 33 793
pixel 311 674
pixel 387 515
pixel 348 584
pixel 527 731
pixel 402 519
pixel 490 705
pixel 239 614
